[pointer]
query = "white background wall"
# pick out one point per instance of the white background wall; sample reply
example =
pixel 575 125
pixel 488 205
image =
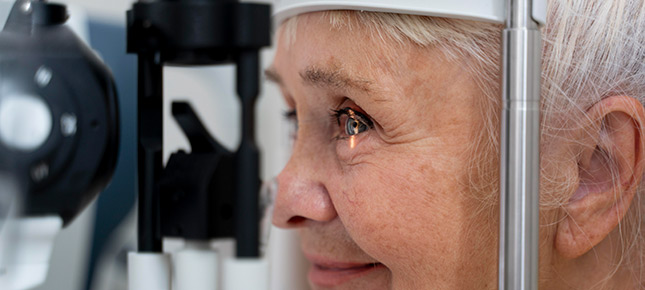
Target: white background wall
pixel 211 91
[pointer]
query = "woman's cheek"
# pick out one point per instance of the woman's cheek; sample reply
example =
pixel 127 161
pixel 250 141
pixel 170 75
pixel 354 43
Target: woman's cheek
pixel 385 199
pixel 369 207
pixel 360 209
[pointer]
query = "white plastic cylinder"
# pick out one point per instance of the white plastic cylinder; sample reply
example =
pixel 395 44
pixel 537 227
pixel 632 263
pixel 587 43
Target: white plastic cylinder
pixel 245 274
pixel 149 271
pixel 25 249
pixel 196 268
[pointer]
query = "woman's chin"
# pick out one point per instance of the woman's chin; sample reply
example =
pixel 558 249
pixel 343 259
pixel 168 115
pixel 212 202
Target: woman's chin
pixel 365 277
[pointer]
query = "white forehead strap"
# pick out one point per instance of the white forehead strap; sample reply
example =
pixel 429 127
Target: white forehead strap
pixel 480 10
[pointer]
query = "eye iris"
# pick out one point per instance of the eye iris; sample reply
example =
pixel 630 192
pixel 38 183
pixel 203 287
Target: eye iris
pixel 353 127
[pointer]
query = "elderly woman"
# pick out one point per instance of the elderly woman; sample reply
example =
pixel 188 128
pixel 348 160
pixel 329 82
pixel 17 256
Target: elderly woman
pixel 393 181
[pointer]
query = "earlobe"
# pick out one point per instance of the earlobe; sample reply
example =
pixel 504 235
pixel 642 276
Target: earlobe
pixel 610 166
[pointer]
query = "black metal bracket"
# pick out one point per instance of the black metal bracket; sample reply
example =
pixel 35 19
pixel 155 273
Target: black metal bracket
pixel 208 193
pixel 197 189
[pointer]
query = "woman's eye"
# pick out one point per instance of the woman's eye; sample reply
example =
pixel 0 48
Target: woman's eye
pixel 354 126
pixel 292 117
pixel 353 122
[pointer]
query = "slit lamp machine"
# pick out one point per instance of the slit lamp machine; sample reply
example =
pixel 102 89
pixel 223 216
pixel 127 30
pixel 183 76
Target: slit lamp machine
pixel 59 130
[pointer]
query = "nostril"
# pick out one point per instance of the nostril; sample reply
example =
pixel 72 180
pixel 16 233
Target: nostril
pixel 296 220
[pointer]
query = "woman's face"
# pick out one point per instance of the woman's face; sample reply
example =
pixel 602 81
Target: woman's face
pixel 378 182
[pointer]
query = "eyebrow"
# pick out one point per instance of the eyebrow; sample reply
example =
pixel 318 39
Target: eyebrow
pixel 334 78
pixel 272 75
pixel 324 77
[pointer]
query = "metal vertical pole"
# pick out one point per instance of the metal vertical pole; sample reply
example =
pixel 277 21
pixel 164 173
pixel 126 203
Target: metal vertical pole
pixel 247 211
pixel 520 144
pixel 150 148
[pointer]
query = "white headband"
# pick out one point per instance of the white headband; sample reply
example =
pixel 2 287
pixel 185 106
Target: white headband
pixel 480 10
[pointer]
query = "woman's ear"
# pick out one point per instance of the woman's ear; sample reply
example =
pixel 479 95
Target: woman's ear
pixel 610 166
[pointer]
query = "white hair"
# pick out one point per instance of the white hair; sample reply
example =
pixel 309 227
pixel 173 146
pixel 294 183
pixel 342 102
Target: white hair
pixel 593 50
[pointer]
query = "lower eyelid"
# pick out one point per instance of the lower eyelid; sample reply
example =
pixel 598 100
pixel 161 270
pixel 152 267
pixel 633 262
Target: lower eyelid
pixel 349 155
pixel 360 140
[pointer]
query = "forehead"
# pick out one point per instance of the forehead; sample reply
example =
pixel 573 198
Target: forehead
pixel 312 40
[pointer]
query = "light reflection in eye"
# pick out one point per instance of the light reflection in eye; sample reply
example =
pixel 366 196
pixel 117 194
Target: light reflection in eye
pixel 355 123
pixel 351 128
pixel 352 123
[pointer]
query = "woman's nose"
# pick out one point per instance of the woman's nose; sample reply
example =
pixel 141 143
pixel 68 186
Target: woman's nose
pixel 301 197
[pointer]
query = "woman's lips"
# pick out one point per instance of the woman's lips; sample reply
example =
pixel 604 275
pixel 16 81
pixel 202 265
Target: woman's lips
pixel 329 273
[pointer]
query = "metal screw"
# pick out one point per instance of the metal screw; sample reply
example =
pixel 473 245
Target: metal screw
pixel 26 8
pixel 40 172
pixel 43 76
pixel 68 125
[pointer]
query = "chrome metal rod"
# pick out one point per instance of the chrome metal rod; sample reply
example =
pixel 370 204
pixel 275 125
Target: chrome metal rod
pixel 519 14
pixel 520 144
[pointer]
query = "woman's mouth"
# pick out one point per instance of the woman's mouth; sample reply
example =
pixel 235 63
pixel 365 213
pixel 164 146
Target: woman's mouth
pixel 330 274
